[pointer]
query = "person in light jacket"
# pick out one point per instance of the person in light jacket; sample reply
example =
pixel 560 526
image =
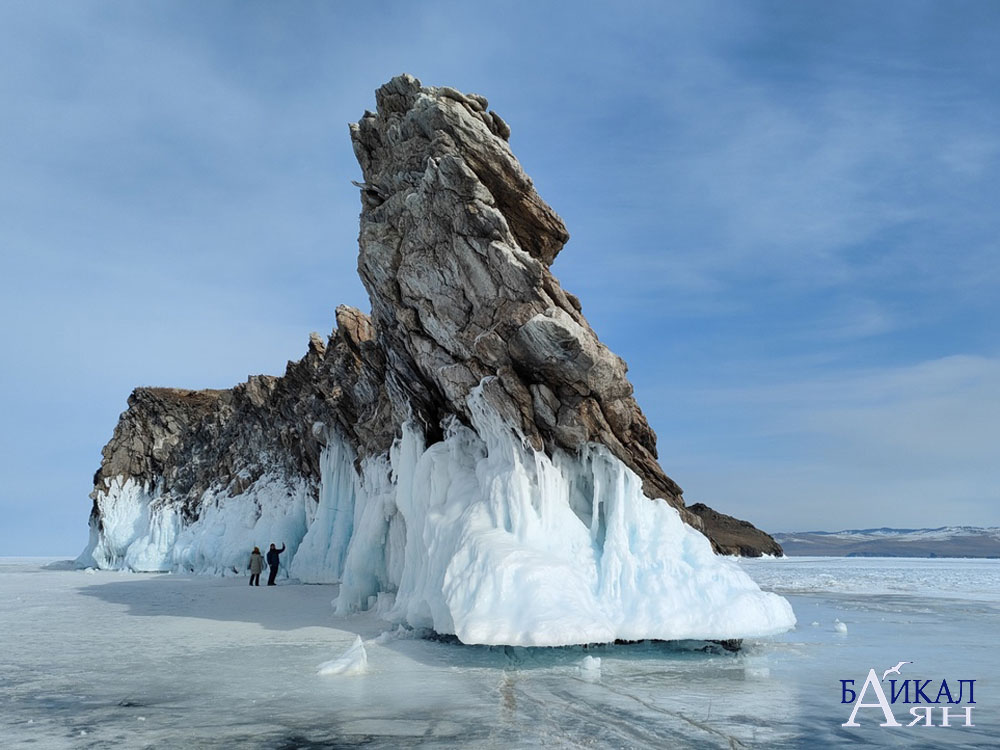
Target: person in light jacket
pixel 272 560
pixel 256 566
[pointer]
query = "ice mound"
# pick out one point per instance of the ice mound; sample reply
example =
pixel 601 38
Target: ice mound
pixel 590 668
pixel 500 544
pixel 352 661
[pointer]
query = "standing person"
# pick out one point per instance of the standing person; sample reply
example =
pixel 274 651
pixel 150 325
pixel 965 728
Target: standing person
pixel 272 560
pixel 256 566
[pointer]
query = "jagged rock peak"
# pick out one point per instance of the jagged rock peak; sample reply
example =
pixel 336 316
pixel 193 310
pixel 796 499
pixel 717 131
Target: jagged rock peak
pixel 455 247
pixel 414 122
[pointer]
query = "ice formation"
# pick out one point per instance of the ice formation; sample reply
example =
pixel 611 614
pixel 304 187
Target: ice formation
pixel 140 531
pixel 590 668
pixel 476 535
pixel 352 661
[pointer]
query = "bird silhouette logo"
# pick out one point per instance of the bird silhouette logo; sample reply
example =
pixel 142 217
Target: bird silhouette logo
pixel 895 669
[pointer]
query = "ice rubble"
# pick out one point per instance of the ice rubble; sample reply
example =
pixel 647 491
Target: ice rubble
pixel 352 661
pixel 476 535
pixel 590 668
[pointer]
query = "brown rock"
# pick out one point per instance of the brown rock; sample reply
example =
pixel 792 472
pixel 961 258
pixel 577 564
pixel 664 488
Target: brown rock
pixel 731 536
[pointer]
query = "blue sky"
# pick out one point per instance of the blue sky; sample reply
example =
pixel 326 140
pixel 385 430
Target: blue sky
pixel 783 216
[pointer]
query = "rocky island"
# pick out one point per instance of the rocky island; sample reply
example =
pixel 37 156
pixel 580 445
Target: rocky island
pixel 468 457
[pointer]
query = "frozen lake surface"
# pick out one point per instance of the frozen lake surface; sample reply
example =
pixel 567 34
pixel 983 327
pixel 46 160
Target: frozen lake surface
pixel 108 659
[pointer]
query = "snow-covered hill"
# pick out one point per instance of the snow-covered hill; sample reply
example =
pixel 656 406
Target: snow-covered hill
pixel 946 541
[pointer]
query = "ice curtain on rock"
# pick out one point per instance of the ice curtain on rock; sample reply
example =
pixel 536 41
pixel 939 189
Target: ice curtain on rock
pixel 468 458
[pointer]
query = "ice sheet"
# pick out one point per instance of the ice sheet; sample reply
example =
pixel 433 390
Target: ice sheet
pixel 211 662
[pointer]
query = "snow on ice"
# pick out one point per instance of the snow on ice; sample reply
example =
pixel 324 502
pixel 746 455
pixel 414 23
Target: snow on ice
pixel 476 535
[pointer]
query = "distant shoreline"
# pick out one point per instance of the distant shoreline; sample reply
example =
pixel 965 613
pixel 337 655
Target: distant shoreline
pixel 959 542
pixel 886 556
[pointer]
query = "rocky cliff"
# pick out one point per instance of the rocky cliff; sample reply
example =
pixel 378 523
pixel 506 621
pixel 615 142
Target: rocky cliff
pixel 469 333
pixel 186 443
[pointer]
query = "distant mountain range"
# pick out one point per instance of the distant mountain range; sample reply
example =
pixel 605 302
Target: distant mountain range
pixel 947 541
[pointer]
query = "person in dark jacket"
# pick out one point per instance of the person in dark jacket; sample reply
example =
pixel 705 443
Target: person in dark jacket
pixel 256 566
pixel 272 560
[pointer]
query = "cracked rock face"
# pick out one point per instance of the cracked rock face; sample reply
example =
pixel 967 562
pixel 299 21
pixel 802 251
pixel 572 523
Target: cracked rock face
pixel 455 248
